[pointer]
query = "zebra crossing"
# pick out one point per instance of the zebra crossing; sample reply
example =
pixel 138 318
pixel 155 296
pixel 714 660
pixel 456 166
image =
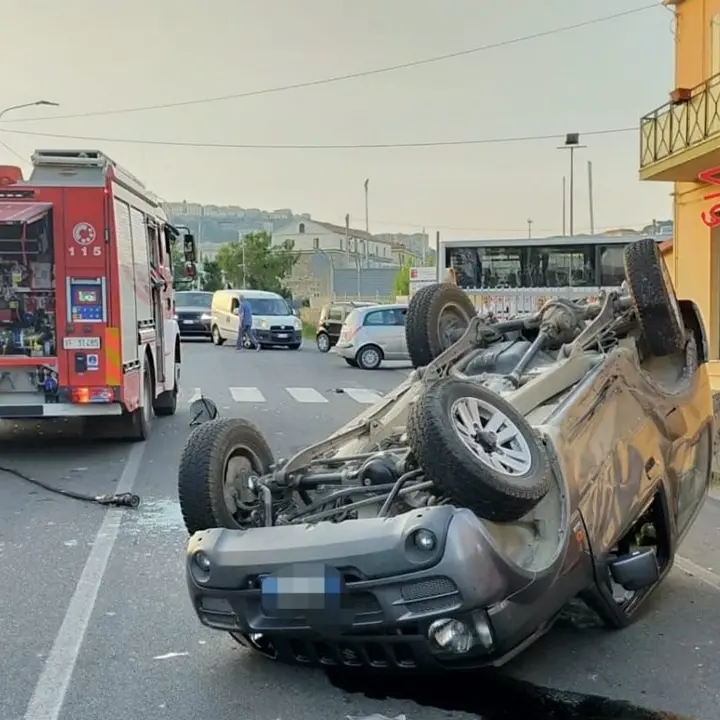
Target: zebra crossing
pixel 302 395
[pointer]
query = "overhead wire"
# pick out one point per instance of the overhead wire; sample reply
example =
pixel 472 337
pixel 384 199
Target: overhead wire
pixel 313 146
pixel 346 76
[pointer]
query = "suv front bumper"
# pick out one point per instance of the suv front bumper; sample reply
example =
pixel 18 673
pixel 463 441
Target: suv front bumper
pixel 393 590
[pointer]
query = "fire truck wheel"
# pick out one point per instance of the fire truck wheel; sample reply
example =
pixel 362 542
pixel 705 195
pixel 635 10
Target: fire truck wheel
pixel 141 419
pixel 166 403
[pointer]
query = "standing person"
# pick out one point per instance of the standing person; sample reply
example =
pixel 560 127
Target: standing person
pixel 245 328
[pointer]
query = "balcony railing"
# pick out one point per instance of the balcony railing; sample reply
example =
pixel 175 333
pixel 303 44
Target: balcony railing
pixel 675 127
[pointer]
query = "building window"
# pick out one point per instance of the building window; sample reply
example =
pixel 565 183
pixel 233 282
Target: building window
pixel 316 243
pixel 301 228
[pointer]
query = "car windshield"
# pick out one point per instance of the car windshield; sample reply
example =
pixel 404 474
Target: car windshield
pixel 269 306
pixel 193 299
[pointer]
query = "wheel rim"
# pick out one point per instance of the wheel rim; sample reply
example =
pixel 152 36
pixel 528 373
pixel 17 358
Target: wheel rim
pixel 370 357
pixel 215 334
pixel 453 321
pixel 491 436
pixel 323 342
pixel 241 464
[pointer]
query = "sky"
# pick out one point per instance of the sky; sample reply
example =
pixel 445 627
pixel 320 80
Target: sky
pixel 91 56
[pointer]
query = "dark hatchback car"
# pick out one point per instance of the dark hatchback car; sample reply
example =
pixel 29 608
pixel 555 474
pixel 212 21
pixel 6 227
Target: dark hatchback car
pixel 332 317
pixel 192 312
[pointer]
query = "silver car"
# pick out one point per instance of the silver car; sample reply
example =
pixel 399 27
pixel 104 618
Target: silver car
pixel 370 335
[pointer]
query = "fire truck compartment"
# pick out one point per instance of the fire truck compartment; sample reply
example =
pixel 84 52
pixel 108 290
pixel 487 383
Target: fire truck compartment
pixel 27 282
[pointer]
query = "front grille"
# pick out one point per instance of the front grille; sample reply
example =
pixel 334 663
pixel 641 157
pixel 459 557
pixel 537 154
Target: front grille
pixel 282 328
pixel 430 595
pixel 189 315
pixel 352 652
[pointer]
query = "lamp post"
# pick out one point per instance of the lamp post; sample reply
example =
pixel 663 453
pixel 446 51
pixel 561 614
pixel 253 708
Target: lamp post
pixel 4 111
pixel 572 143
pixel 37 103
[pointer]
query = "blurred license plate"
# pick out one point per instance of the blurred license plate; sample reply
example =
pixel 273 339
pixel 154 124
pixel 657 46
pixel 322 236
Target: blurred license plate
pixel 302 588
pixel 188 322
pixel 282 336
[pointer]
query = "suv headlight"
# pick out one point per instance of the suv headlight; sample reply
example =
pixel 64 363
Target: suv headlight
pixel 206 317
pixel 298 323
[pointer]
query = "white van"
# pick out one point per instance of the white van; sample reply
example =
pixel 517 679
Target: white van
pixel 274 321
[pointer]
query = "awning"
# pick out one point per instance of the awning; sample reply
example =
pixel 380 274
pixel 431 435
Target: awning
pixel 22 212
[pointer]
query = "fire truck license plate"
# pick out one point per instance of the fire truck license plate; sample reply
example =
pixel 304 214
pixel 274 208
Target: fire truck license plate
pixel 81 343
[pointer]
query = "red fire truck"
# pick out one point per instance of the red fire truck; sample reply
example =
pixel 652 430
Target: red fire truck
pixel 87 324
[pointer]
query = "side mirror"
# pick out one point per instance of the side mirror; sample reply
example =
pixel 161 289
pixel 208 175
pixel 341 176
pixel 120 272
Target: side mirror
pixel 189 249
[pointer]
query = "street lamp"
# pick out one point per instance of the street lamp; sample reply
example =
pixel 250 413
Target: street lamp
pixel 572 143
pixel 37 103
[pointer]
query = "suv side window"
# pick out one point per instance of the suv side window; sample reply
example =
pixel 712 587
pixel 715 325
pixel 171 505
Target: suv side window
pixel 380 317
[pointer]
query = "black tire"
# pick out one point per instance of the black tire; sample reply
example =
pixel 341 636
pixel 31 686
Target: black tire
pixel 657 307
pixel 203 464
pixel 369 357
pixel 437 316
pixel 351 362
pixel 139 422
pixel 216 337
pixel 457 471
pixel 323 342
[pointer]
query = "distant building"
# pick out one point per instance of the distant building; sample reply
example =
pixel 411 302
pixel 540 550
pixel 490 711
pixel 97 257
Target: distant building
pixel 416 243
pixel 328 252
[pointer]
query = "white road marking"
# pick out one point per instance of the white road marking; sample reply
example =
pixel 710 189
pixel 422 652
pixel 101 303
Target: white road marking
pixel 247 394
pixel 306 395
pixel 703 575
pixel 362 395
pixel 195 395
pixel 49 694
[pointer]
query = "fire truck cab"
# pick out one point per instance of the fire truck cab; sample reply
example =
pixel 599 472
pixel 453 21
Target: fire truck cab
pixel 87 324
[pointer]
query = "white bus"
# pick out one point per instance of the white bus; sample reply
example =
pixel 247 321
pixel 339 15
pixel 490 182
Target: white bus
pixel 507 277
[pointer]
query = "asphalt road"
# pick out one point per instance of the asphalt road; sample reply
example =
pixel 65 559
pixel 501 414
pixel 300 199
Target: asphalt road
pixel 95 621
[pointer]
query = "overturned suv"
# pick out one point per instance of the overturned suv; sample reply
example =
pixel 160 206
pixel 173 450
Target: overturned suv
pixel 523 465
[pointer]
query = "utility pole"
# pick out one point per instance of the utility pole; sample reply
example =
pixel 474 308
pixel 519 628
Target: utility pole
pixel 591 201
pixel 347 238
pixel 529 224
pixel 564 195
pixel 367 212
pixel 572 143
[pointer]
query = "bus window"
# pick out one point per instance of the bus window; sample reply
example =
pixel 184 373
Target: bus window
pixel 561 266
pixel 487 268
pixel 612 271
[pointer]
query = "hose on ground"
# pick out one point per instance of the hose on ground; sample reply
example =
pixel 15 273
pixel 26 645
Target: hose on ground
pixel 111 499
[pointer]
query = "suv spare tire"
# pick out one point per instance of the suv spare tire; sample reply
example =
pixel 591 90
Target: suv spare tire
pixel 437 316
pixel 656 304
pixel 478 450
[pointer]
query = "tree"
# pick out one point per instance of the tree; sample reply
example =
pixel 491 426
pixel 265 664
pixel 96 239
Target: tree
pixel 211 276
pixel 255 264
pixel 401 281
